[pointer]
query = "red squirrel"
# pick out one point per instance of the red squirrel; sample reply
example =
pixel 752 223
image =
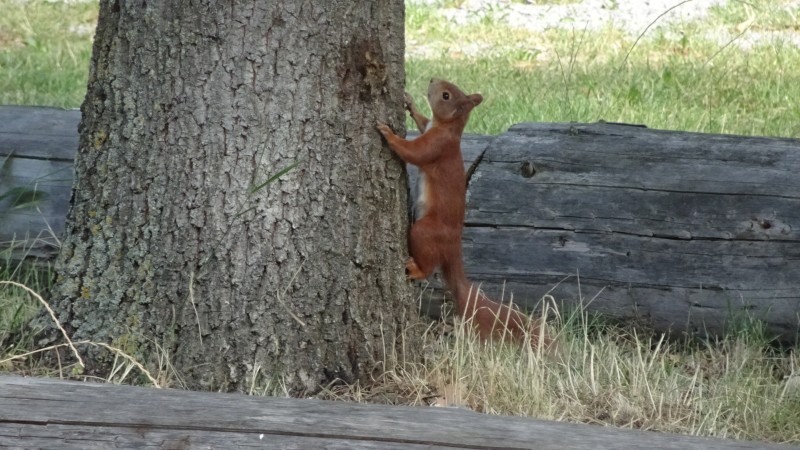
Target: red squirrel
pixel 435 237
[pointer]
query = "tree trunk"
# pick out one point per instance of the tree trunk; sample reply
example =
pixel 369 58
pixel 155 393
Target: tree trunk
pixel 170 251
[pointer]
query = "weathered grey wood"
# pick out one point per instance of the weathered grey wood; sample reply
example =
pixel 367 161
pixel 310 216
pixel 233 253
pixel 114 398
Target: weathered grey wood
pixel 37 149
pixel 60 414
pixel 684 231
pixel 39 132
pixel 102 437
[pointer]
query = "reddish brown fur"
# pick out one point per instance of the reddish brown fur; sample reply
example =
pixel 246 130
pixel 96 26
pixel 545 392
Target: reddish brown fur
pixel 435 239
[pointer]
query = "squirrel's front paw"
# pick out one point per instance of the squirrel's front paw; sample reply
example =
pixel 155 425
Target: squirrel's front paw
pixel 408 102
pixel 384 129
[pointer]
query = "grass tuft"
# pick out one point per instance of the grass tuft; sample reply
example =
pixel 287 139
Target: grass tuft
pixel 737 387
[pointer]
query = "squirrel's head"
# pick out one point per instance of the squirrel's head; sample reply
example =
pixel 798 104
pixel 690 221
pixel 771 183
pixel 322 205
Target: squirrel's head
pixel 448 103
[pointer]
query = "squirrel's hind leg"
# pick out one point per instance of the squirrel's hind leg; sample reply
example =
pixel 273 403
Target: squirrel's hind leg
pixel 413 271
pixel 425 245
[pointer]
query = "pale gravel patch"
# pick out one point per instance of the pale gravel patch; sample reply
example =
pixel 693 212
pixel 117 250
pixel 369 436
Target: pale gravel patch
pixel 631 16
pixel 635 18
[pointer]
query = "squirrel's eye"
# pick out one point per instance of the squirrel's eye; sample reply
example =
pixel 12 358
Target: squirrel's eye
pixel 446 95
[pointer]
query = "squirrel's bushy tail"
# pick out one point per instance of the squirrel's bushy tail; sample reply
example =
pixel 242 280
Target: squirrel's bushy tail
pixel 492 319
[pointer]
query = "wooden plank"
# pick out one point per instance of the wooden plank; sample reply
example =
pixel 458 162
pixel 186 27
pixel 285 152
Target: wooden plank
pixel 685 285
pixel 49 179
pixel 37 148
pixel 91 436
pixel 63 414
pixel 614 178
pixel 684 231
pixel 39 132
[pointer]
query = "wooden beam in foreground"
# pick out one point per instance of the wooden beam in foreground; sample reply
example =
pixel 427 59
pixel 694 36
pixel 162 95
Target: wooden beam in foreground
pixel 50 413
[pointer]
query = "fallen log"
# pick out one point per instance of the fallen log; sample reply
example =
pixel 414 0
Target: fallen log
pixel 683 232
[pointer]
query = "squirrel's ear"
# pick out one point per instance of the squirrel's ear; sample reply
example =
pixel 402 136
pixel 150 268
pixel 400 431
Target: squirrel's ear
pixel 466 105
pixel 476 99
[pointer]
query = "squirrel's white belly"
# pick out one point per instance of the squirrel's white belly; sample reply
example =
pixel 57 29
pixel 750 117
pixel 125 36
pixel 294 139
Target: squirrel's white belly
pixel 421 204
pixel 422 197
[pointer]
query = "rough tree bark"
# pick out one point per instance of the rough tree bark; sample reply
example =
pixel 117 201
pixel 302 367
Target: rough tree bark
pixel 190 105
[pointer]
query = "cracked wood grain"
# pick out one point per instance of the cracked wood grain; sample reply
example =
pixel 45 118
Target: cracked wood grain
pixel 63 414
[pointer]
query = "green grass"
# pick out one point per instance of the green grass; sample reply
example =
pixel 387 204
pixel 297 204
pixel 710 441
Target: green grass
pixel 677 79
pixel 44 52
pixel 17 308
pixel 674 79
pixel 772 15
